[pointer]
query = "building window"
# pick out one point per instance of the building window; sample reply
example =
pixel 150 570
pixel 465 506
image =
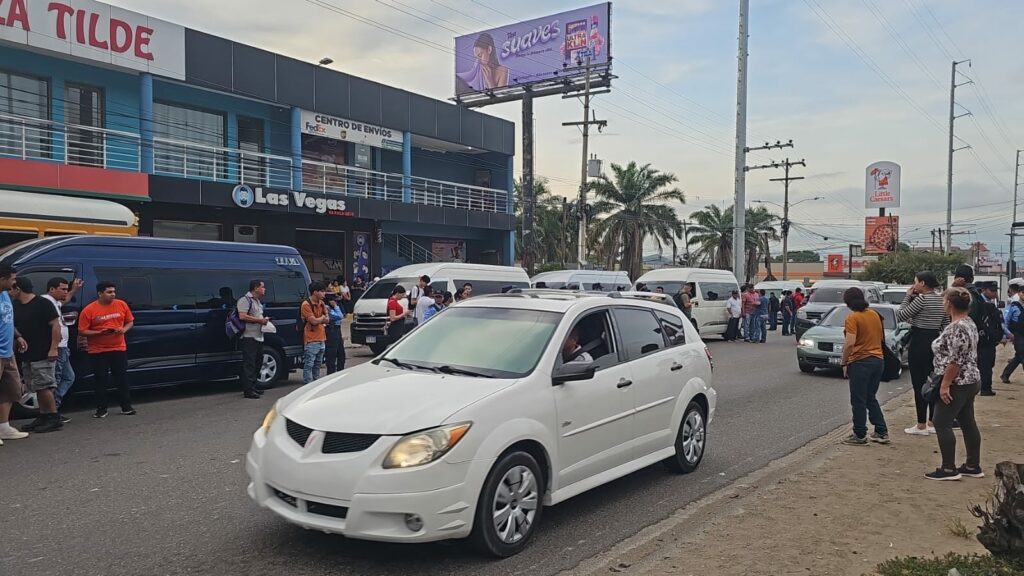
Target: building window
pixel 252 166
pixel 83 112
pixel 189 141
pixel 186 230
pixel 24 116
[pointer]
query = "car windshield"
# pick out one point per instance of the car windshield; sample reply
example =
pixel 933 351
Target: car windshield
pixel 382 288
pixel 837 319
pixel 893 296
pixel 827 294
pixel 493 342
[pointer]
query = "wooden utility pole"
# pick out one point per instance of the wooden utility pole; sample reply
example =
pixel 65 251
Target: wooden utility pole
pixel 785 212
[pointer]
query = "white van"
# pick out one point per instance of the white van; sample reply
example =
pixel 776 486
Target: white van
pixel 609 280
pixel 370 313
pixel 709 289
pixel 778 286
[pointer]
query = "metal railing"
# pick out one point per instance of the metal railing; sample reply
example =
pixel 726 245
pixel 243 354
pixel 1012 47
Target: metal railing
pixel 407 249
pixel 350 181
pixel 38 139
pixel 195 160
pixel 455 195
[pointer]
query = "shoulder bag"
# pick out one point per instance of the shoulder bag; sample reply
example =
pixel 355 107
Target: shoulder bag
pixel 893 366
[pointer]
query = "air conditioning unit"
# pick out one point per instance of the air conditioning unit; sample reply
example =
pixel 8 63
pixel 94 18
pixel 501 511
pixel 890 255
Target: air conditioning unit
pixel 247 234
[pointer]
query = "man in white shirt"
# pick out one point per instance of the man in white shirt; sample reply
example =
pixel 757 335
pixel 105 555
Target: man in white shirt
pixel 735 308
pixel 425 301
pixel 58 291
pixel 571 351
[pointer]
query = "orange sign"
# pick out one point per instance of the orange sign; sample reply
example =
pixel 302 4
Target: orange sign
pixel 836 264
pixel 881 234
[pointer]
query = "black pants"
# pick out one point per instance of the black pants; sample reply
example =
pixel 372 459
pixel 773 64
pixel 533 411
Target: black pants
pixel 986 364
pixel 920 360
pixel 252 362
pixel 107 367
pixel 1018 355
pixel 865 376
pixel 334 355
pixel 733 330
pixel 961 409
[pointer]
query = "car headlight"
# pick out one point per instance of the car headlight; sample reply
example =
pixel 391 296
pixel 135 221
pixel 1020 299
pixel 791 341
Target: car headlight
pixel 425 447
pixel 269 419
pixel 806 343
pixel 802 315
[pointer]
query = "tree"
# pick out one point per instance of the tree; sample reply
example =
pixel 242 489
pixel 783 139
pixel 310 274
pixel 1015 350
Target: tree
pixel 761 232
pixel 630 208
pixel 710 237
pixel 800 256
pixel 901 267
pixel 554 240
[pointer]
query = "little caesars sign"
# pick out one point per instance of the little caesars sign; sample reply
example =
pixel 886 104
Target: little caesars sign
pixel 244 197
pixel 351 131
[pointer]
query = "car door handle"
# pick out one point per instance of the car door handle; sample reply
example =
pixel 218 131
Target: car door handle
pixel 676 367
pixel 623 383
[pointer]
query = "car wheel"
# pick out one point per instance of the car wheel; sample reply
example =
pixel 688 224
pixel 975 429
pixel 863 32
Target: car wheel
pixel 272 368
pixel 509 507
pixel 806 368
pixel 690 441
pixel 378 349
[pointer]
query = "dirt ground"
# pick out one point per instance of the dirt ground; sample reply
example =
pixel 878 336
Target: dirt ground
pixel 830 508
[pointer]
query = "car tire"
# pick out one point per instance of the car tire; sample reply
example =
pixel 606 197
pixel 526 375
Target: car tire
pixel 806 368
pixel 691 441
pixel 378 349
pixel 272 368
pixel 517 479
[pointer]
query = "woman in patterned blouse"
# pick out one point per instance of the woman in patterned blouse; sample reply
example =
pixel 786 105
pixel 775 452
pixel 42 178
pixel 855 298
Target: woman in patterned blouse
pixel 956 359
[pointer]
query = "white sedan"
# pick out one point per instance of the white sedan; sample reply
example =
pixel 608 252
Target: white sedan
pixel 479 418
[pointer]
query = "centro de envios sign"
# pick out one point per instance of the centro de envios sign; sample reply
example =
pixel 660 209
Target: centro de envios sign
pixel 316 124
pixel 245 197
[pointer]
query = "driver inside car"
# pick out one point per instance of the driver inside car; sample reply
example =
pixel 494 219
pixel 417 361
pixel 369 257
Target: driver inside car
pixel 571 351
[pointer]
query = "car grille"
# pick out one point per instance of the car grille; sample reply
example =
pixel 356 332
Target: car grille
pixel 297 432
pixel 814 315
pixel 825 346
pixel 326 509
pixel 341 443
pixel 286 498
pixel 368 321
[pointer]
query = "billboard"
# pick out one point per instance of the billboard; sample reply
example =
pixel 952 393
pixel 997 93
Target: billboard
pixel 533 51
pixel 882 185
pixel 881 234
pixel 839 264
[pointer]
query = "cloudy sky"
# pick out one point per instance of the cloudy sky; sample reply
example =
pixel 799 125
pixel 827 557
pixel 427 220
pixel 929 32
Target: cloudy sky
pixel 850 81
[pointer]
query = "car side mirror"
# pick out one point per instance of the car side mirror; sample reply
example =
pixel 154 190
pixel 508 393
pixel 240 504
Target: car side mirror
pixel 573 372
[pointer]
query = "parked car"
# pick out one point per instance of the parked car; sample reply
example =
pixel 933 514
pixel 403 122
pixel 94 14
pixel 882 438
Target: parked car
pixel 894 294
pixel 821 346
pixel 474 422
pixel 826 295
pixel 370 312
pixel 709 290
pixel 180 292
pixel 583 280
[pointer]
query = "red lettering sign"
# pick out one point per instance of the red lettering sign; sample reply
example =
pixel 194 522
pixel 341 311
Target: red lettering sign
pixel 142 37
pixel 120 35
pixel 16 14
pixel 62 10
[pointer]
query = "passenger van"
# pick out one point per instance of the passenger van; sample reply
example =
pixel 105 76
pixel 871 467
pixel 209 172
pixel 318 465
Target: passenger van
pixel 180 292
pixel 709 289
pixel 370 313
pixel 583 280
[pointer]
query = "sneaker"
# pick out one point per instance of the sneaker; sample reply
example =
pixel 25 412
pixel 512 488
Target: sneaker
pixel 1004 380
pixel 128 411
pixel 941 474
pixel 930 429
pixel 52 424
pixel 975 472
pixel 11 433
pixel 251 395
pixel 880 438
pixel 64 419
pixel 915 431
pixel 987 393
pixel 100 413
pixel 854 440
pixel 31 426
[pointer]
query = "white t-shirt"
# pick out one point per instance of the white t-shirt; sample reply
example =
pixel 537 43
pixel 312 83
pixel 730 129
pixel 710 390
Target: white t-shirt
pixel 60 316
pixel 421 307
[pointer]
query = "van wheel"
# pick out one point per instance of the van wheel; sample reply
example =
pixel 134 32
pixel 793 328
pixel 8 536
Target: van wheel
pixel 378 349
pixel 690 441
pixel 272 368
pixel 509 507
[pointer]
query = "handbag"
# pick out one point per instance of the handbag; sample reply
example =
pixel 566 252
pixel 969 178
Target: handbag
pixel 892 365
pixel 930 388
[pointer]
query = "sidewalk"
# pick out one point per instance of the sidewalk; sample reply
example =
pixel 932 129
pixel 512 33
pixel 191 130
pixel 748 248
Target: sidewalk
pixel 830 508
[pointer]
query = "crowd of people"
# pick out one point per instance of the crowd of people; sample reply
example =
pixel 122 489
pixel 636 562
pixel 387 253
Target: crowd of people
pixel 753 313
pixel 951 353
pixel 423 303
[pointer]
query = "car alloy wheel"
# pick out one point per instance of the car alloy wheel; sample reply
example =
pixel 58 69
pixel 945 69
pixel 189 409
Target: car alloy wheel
pixel 270 368
pixel 515 504
pixel 691 440
pixel 509 507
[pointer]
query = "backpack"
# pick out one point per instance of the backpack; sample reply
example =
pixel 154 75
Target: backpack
pixel 300 322
pixel 234 326
pixel 991 329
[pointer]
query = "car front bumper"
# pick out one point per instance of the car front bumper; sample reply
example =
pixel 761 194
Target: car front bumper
pixel 819 358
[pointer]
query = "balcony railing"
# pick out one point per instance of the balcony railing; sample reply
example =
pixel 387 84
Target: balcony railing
pixel 46 140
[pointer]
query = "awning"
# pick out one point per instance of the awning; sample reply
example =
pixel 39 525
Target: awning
pixel 58 208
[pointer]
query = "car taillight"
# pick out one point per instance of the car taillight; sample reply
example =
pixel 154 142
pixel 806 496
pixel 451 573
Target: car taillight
pixel 711 360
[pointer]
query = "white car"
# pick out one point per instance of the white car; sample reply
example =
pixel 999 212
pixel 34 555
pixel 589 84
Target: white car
pixel 476 420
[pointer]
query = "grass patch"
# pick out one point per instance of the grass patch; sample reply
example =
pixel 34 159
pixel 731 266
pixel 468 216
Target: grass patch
pixel 970 565
pixel 956 527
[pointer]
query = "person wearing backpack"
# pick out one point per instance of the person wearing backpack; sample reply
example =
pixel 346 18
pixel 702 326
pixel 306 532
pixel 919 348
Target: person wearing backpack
pixel 250 311
pixel 990 334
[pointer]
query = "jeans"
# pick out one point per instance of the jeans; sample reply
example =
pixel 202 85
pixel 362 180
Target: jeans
pixel 748 326
pixel 792 324
pixel 252 362
pixel 962 409
pixel 986 364
pixel 763 327
pixel 65 374
pixel 754 332
pixel 313 357
pixel 865 375
pixel 733 329
pixel 787 321
pixel 107 366
pixel 334 350
pixel 920 358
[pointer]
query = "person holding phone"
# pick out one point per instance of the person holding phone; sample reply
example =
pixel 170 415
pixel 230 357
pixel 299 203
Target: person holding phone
pixel 104 323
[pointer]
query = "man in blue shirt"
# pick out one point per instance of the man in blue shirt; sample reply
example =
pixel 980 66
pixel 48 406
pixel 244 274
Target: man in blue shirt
pixel 334 351
pixel 10 379
pixel 1012 323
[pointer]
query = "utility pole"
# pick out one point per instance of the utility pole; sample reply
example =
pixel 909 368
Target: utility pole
pixel 1012 264
pixel 581 252
pixel 739 212
pixel 526 195
pixel 785 212
pixel 949 168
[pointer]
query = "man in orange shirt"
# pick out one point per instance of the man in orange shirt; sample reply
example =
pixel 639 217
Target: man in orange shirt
pixel 314 331
pixel 104 324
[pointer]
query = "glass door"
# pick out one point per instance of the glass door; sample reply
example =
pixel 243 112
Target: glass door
pixel 83 113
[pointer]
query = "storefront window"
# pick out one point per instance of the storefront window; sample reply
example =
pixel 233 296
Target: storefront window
pixel 189 141
pixel 24 97
pixel 186 230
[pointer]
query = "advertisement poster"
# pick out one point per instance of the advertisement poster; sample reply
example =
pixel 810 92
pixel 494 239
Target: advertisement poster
pixel 361 256
pixel 448 250
pixel 882 185
pixel 335 128
pixel 881 234
pixel 838 264
pixel 532 51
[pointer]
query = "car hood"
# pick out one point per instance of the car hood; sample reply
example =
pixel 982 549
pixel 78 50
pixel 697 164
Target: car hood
pixel 821 307
pixel 372 399
pixel 835 334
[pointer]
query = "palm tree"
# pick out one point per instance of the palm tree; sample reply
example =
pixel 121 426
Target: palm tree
pixel 552 242
pixel 761 231
pixel 632 207
pixel 710 235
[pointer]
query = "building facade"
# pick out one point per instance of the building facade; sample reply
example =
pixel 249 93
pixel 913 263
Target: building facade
pixel 207 138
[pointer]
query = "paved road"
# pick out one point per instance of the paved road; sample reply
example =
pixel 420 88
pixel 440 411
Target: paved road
pixel 164 492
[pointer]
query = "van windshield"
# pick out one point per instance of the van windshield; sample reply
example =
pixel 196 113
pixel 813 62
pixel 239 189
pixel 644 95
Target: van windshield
pixel 668 287
pixel 382 288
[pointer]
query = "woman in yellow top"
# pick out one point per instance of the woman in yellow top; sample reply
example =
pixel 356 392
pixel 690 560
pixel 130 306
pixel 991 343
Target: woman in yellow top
pixel 863 363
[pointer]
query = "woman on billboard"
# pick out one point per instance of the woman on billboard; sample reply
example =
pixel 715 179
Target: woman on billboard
pixel 486 72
